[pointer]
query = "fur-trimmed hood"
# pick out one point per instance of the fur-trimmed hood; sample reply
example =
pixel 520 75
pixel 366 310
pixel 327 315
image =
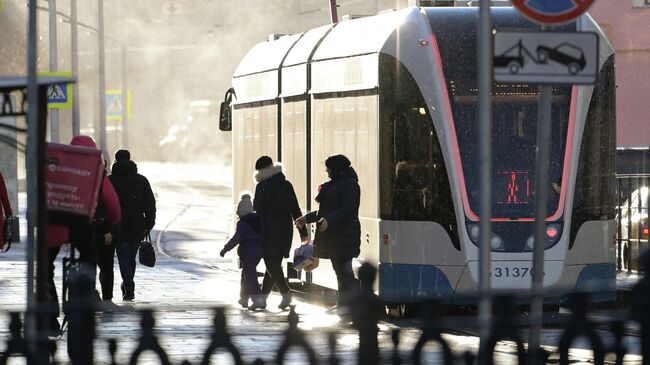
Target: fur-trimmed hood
pixel 263 174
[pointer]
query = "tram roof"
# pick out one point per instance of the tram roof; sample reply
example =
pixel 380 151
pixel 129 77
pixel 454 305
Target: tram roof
pixel 363 35
pixel 266 56
pixel 346 38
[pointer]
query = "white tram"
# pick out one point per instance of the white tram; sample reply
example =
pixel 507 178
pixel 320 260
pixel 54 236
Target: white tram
pixel 397 94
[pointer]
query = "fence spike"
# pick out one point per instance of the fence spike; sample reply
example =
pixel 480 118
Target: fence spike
pixel 148 340
pixel 396 359
pixel 504 328
pixel 618 348
pixel 640 305
pixel 432 310
pixel 331 340
pixel 367 309
pixel 16 343
pixel 221 339
pixel 294 337
pixel 577 326
pixel 112 350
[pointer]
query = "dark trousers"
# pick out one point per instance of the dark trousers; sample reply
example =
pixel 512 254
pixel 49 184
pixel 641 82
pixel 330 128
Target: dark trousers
pixel 52 252
pixel 105 260
pixel 347 283
pixel 249 284
pixel 126 253
pixel 274 275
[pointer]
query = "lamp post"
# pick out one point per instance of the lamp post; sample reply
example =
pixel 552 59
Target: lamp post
pixel 102 79
pixel 54 113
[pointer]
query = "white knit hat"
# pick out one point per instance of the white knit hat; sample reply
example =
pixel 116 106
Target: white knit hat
pixel 245 205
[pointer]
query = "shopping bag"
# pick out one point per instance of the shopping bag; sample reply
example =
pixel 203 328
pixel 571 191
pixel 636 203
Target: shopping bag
pixel 303 257
pixel 146 254
pixel 5 245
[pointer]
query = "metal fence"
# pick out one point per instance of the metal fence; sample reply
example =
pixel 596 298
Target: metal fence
pixel 632 220
pixel 604 332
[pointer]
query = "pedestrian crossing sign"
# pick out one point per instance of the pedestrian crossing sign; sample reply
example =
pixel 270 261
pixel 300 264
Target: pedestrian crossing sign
pixel 115 104
pixel 59 96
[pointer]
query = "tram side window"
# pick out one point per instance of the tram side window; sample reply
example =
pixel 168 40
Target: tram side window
pixel 596 182
pixel 414 182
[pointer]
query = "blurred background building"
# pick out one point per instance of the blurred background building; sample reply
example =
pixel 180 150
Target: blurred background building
pixel 181 54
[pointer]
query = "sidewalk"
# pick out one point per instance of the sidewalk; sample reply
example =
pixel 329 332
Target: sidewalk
pixel 182 295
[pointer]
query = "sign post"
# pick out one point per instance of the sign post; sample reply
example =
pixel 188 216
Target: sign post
pixel 545 58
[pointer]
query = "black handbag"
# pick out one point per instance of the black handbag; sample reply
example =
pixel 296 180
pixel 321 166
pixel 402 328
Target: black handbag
pixel 147 255
pixel 6 234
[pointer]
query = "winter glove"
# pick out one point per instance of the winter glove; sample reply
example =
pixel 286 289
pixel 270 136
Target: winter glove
pixel 222 253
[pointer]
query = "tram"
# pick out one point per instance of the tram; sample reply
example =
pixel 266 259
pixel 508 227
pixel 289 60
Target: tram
pixel 397 94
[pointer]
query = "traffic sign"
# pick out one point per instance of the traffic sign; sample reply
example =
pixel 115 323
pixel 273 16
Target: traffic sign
pixel 546 57
pixel 115 104
pixel 59 96
pixel 552 12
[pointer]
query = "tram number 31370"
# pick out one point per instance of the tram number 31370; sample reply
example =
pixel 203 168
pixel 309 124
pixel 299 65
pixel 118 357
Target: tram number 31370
pixel 511 272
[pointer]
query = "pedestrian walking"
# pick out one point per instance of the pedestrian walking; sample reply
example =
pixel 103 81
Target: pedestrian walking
pixel 79 233
pixel 338 233
pixel 5 209
pixel 105 237
pixel 138 216
pixel 248 236
pixel 276 201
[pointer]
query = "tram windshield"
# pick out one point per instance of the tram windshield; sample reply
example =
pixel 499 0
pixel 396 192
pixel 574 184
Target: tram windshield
pixel 514 133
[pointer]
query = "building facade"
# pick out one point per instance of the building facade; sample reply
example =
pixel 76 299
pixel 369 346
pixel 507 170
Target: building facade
pixel 627 23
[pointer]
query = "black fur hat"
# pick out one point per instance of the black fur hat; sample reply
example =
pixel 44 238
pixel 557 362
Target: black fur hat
pixel 263 162
pixel 122 155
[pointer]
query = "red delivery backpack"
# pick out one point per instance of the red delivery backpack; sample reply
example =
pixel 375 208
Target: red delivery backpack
pixel 72 182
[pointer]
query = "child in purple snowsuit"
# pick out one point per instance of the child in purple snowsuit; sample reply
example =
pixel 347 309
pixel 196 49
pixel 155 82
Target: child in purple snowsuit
pixel 248 236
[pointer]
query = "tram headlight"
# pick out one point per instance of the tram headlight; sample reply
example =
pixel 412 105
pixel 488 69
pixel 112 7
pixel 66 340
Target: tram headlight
pixel 474 232
pixel 496 243
pixel 530 243
pixel 553 232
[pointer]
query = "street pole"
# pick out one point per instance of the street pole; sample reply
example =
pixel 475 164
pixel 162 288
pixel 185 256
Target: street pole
pixel 541 199
pixel 125 98
pixel 102 81
pixel 74 48
pixel 485 148
pixel 125 94
pixel 54 113
pixel 31 165
pixel 334 17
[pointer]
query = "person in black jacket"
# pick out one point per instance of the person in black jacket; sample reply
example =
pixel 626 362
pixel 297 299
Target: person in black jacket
pixel 105 234
pixel 338 233
pixel 138 216
pixel 275 200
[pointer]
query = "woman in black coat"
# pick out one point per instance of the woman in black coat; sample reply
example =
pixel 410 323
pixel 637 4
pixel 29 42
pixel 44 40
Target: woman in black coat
pixel 275 200
pixel 338 234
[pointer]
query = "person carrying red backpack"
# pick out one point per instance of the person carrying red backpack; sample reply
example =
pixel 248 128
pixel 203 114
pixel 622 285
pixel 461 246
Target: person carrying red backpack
pixel 80 235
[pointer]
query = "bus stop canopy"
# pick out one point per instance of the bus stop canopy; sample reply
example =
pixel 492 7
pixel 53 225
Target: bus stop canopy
pixel 17 82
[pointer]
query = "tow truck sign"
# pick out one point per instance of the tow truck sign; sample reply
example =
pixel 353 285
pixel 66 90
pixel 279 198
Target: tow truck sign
pixel 546 57
pixel 552 12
